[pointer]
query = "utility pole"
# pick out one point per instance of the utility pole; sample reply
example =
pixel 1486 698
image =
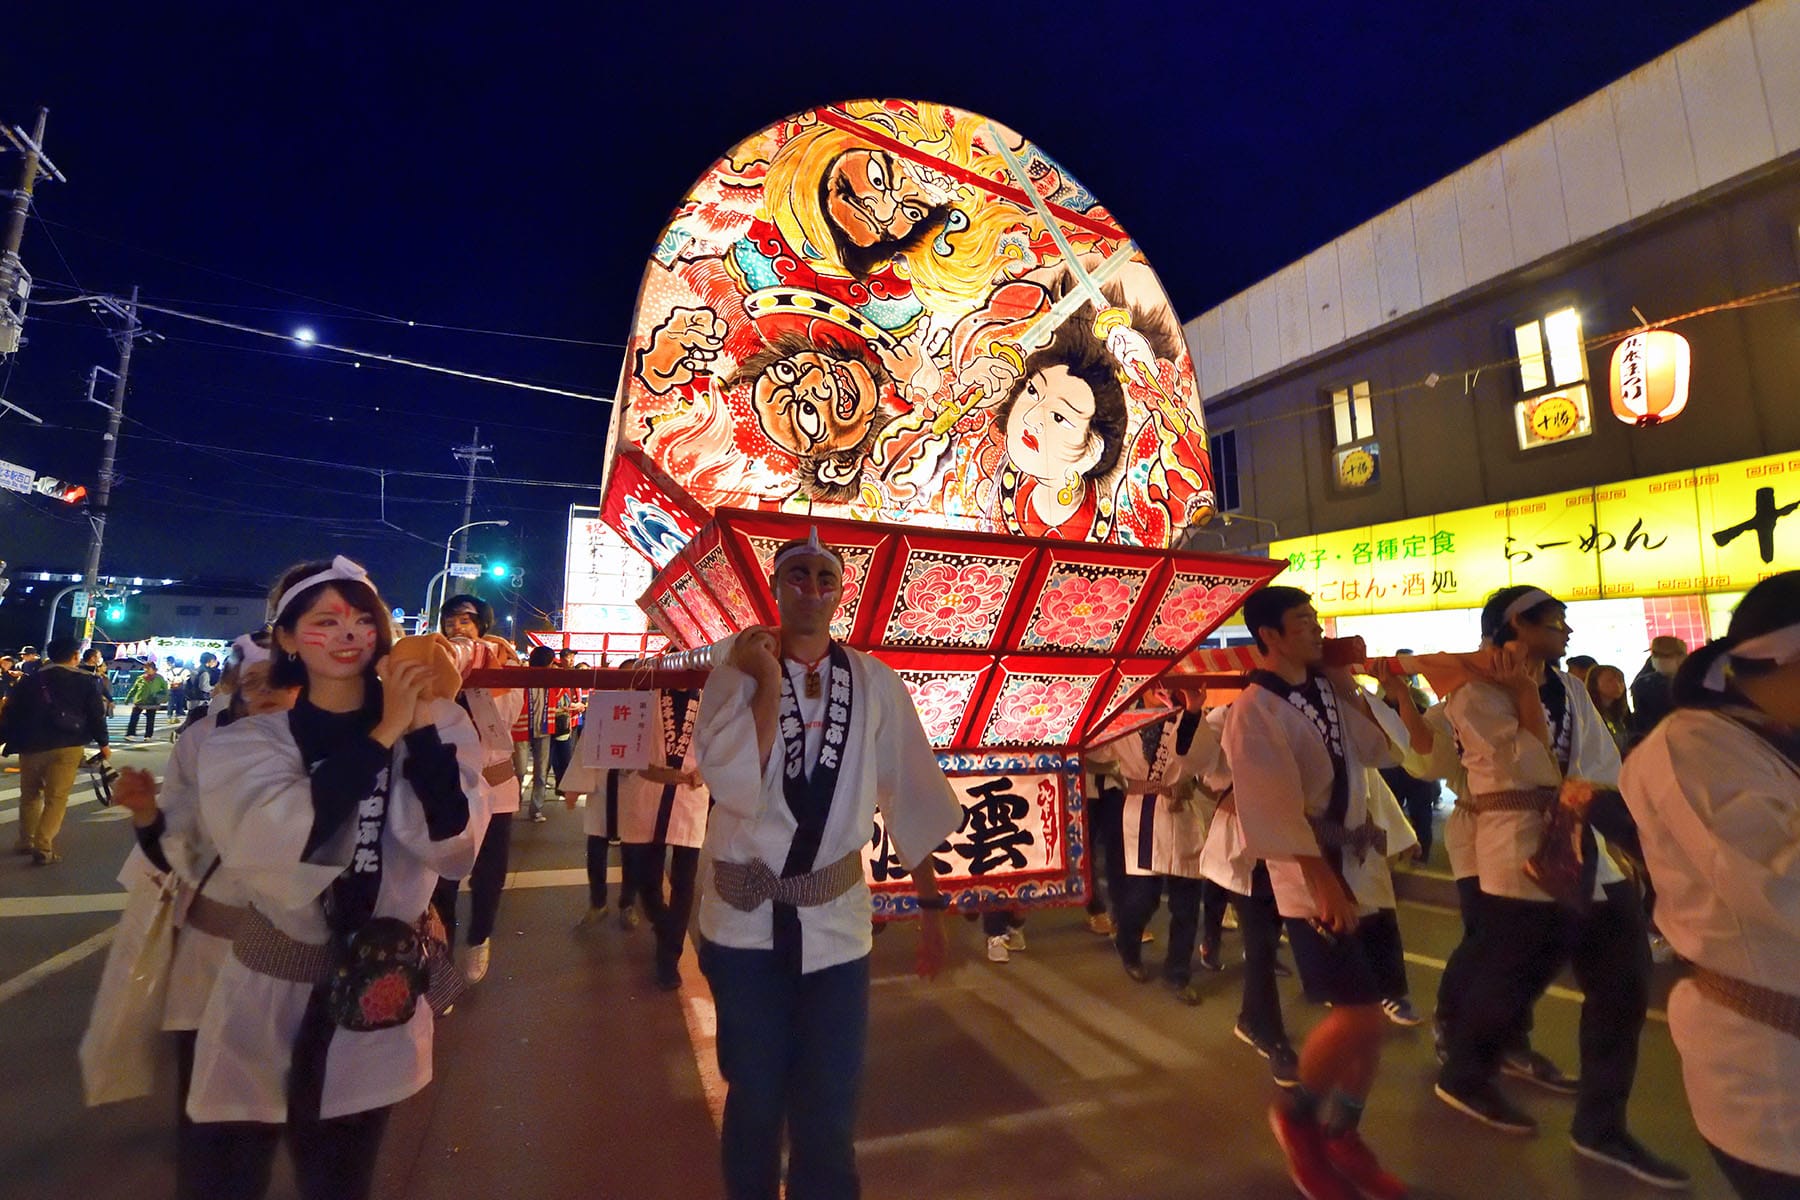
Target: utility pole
pixel 471 454
pixel 109 447
pixel 15 282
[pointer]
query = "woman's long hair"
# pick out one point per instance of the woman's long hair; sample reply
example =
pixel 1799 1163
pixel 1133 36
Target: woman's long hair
pixel 286 670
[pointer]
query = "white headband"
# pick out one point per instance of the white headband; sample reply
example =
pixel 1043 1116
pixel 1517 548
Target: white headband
pixel 811 545
pixel 341 570
pixel 1529 600
pixel 1780 646
pixel 248 652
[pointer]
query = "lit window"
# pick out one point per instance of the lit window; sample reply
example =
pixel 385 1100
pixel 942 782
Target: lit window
pixel 1223 450
pixel 1351 414
pixel 1553 403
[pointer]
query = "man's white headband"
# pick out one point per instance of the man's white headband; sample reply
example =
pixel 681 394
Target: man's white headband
pixel 248 652
pixel 1525 603
pixel 1779 646
pixel 810 547
pixel 342 570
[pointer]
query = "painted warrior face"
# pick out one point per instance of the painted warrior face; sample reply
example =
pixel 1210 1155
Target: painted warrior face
pixel 871 198
pixel 813 402
pixel 1049 428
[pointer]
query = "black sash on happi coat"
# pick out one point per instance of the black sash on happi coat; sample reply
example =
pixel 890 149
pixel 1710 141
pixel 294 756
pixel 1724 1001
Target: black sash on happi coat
pixel 348 903
pixel 1315 700
pixel 678 709
pixel 809 796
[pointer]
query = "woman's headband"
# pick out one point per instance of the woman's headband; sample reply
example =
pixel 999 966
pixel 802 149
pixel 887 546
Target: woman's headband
pixel 1779 646
pixel 342 570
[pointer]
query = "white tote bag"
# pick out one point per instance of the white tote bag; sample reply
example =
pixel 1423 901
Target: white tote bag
pixel 118 1051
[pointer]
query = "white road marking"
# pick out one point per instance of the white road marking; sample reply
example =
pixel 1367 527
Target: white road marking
pixel 60 906
pixel 25 980
pixel 1086 1055
pixel 1100 1015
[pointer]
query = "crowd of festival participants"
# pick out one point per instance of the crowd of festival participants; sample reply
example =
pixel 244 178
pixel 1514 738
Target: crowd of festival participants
pixel 321 812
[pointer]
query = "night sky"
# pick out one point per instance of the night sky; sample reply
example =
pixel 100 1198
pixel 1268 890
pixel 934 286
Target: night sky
pixel 508 167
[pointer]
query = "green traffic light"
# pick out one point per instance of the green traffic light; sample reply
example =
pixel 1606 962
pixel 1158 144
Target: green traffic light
pixel 499 570
pixel 115 614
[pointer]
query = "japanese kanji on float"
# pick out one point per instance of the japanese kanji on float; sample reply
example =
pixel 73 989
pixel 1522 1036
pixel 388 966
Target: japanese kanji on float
pixel 908 324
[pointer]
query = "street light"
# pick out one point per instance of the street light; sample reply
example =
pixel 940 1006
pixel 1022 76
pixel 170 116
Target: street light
pixel 443 574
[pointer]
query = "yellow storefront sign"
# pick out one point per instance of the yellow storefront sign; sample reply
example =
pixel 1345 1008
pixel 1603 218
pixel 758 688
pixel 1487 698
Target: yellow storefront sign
pixel 1717 529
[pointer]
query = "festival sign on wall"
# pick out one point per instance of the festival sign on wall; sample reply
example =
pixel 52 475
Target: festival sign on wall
pixel 1717 529
pixel 904 312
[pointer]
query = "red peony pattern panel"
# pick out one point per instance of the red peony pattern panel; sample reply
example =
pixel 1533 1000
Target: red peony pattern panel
pixel 1193 604
pixel 950 600
pixel 1082 608
pixel 941 700
pixel 673 618
pixel 712 622
pixel 716 571
pixel 1037 710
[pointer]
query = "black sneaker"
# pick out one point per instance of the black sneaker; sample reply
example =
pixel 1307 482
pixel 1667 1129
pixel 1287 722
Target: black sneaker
pixel 1138 972
pixel 1625 1152
pixel 1440 1040
pixel 1284 1065
pixel 1487 1105
pixel 1210 960
pixel 1534 1068
pixel 1185 992
pixel 668 977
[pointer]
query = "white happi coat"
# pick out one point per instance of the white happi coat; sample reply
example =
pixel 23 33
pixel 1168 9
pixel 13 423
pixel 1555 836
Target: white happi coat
pixel 494 713
pixel 256 799
pixel 639 799
pixel 1226 857
pixel 1500 756
pixel 191 854
pixel 1282 775
pixel 1718 812
pixel 886 760
pixel 1165 833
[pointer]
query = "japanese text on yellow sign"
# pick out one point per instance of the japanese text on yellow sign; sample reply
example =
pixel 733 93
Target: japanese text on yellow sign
pixel 1717 529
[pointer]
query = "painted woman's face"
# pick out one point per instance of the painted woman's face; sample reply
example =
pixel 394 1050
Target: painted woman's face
pixel 334 638
pixel 1049 430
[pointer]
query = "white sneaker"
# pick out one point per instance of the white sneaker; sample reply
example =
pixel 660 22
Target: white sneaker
pixel 1014 938
pixel 475 963
pixel 997 951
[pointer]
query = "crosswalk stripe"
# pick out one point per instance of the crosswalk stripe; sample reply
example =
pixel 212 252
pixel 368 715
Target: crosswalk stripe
pixel 1101 1015
pixel 1086 1055
pixel 56 962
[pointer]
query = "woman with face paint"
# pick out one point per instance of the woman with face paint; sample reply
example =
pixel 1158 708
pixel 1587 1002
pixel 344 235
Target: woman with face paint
pixel 337 818
pixel 1715 788
pixel 173 837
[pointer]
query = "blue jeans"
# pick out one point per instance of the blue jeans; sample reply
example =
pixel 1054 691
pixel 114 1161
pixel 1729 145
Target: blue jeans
pixel 791 1050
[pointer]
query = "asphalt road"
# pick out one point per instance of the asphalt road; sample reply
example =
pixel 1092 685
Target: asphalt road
pixel 566 1074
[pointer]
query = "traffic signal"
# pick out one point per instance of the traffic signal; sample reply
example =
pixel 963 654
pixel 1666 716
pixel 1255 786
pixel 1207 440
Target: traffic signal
pixel 499 570
pixel 68 493
pixel 115 611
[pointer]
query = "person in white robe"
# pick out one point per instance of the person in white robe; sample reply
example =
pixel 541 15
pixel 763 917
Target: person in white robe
pixel 662 825
pixel 1299 741
pixel 468 622
pixel 1518 754
pixel 1715 788
pixel 799 740
pixel 172 837
pixel 1165 816
pixel 596 791
pixel 1228 865
pixel 337 819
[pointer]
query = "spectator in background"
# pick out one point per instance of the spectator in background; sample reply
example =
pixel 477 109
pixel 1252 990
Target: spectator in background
pixel 29 662
pixel 1606 687
pixel 49 721
pixel 9 676
pixel 93 664
pixel 1653 691
pixel 178 677
pixel 1580 664
pixel 148 691
pixel 545 708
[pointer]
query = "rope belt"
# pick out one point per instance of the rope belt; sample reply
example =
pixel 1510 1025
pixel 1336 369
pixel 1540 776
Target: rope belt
pixel 210 916
pixel 1335 835
pixel 747 886
pixel 1511 800
pixel 1764 1005
pixel 268 951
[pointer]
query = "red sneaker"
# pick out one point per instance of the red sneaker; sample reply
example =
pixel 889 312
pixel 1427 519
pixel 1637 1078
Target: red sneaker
pixel 1303 1142
pixel 1351 1157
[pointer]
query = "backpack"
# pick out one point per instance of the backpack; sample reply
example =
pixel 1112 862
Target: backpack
pixel 58 718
